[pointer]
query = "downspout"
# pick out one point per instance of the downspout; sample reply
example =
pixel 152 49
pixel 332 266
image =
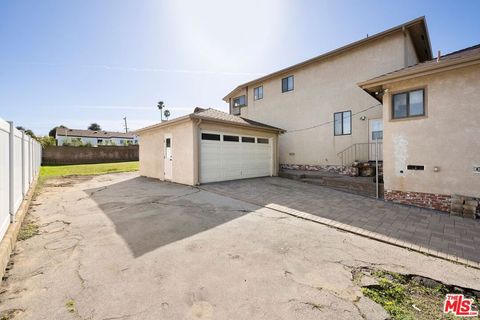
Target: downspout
pixel 405 61
pixel 196 165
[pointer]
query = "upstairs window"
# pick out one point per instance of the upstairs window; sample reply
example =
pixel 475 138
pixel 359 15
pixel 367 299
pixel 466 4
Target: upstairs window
pixel 239 101
pixel 342 122
pixel 287 84
pixel 408 104
pixel 258 93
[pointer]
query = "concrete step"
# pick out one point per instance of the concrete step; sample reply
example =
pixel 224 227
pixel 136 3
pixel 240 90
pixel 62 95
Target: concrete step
pixel 360 188
pixel 364 186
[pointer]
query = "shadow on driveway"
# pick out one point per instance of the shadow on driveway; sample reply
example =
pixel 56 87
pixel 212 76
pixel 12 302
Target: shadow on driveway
pixel 149 214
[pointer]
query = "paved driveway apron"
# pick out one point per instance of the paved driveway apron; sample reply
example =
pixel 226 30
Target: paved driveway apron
pixel 431 229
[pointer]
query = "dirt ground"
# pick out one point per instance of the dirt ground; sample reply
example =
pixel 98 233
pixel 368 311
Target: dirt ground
pixel 120 246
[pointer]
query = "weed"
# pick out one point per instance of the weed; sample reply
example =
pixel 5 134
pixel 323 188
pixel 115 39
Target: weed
pixel 28 229
pixel 70 305
pixel 406 299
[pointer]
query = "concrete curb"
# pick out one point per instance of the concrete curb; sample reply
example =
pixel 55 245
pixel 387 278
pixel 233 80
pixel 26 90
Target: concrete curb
pixel 360 232
pixel 8 242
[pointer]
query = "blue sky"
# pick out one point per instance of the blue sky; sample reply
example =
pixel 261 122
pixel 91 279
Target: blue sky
pixel 76 62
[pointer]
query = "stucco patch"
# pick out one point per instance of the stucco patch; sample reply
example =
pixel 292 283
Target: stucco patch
pixel 400 146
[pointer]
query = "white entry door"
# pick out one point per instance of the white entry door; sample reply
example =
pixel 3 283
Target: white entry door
pixel 168 161
pixel 375 131
pixel 225 156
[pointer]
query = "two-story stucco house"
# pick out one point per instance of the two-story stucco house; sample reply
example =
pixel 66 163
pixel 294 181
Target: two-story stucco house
pixel 319 103
pixel 421 112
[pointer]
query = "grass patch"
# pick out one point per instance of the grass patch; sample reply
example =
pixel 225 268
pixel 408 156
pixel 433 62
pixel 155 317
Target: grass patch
pixel 28 229
pixel 406 299
pixel 87 169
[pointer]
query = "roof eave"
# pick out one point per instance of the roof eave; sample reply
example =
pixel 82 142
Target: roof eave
pixel 250 126
pixel 408 74
pixel 164 124
pixel 334 52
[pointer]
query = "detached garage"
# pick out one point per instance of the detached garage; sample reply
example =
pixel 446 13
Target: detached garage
pixel 208 146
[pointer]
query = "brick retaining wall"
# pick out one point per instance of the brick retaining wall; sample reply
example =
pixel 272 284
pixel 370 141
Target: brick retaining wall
pixel 439 202
pixel 84 155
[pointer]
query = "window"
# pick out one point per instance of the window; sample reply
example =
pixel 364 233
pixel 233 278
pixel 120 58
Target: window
pixel 248 139
pixel 168 142
pixel 287 84
pixel 262 140
pixel 121 141
pixel 230 138
pixel 210 136
pixel 239 101
pixel 408 104
pixel 342 123
pixel 258 93
pixel 99 140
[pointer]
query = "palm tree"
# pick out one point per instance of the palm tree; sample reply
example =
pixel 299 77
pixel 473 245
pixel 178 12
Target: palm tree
pixel 160 106
pixel 166 113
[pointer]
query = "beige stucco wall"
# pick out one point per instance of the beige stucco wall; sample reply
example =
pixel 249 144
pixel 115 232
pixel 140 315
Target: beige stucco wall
pixel 185 148
pixel 152 152
pixel 447 138
pixel 218 127
pixel 320 90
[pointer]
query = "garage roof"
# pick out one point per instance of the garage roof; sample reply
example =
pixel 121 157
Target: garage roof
pixel 210 114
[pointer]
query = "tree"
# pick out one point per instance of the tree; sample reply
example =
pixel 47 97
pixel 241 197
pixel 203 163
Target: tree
pixel 94 127
pixel 27 131
pixel 160 106
pixel 166 113
pixel 53 132
pixel 46 141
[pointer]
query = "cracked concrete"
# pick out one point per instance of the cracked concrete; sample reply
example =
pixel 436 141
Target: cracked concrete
pixel 124 247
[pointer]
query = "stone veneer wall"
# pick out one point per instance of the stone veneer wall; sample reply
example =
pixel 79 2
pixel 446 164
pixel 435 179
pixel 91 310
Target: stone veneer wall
pixel 349 171
pixel 439 202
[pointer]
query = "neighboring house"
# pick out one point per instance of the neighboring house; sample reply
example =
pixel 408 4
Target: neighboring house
pixel 431 129
pixel 317 101
pixel 206 146
pixel 94 138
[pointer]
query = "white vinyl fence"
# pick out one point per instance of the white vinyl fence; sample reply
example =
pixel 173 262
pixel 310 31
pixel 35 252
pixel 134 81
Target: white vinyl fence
pixel 20 159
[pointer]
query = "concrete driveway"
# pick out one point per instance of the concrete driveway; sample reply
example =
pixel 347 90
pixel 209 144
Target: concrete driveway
pixel 434 232
pixel 120 246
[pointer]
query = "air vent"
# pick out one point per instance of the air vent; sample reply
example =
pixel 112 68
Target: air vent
pixel 415 167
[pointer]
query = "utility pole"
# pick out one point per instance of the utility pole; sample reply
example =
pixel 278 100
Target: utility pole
pixel 126 128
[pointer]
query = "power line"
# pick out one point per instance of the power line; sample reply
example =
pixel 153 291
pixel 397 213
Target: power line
pixel 329 122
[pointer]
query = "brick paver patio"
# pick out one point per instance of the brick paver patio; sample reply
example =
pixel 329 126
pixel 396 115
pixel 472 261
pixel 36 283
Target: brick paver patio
pixel 430 229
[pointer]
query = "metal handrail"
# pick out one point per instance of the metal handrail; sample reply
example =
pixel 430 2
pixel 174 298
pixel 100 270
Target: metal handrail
pixel 361 152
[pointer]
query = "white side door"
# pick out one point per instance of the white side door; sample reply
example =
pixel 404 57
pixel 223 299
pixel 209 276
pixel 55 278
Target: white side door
pixel 375 131
pixel 168 161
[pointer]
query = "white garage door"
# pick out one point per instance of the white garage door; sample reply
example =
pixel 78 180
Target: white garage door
pixel 225 156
